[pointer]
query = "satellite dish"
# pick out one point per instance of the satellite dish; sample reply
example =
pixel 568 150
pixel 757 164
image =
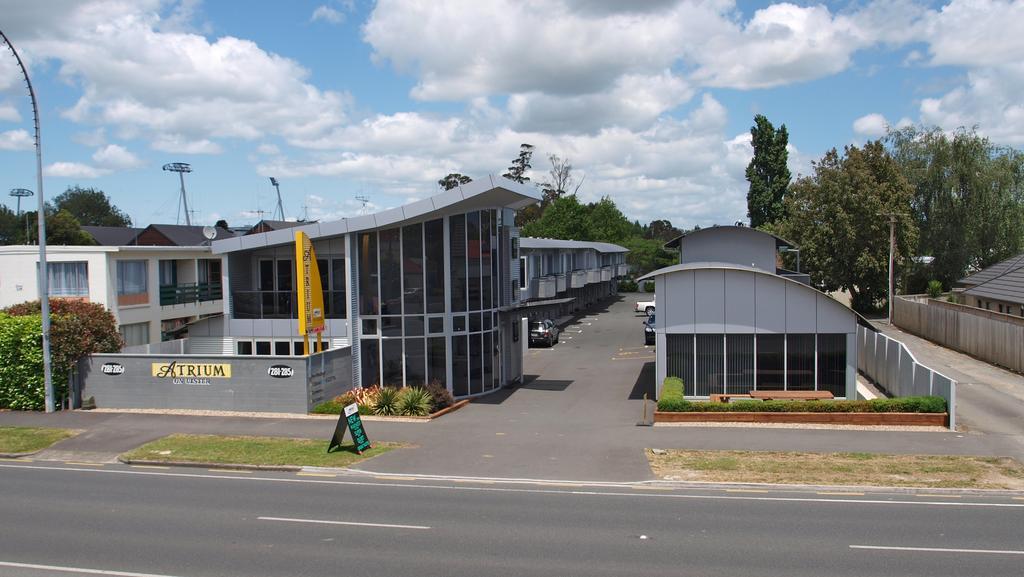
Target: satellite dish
pixel 209 232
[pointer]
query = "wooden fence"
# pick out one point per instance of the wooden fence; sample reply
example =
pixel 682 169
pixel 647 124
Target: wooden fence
pixel 992 337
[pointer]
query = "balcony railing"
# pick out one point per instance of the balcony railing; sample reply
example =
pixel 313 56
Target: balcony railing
pixel 281 305
pixel 189 293
pixel 543 287
pixel 578 279
pixel 593 275
pixel 561 283
pixel 621 269
pixel 606 273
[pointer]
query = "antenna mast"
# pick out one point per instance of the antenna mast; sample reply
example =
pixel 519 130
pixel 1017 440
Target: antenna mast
pixel 181 168
pixel 364 200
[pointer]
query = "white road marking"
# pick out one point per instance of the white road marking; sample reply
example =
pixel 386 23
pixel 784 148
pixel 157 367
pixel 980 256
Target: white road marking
pixel 351 523
pixel 80 570
pixel 939 550
pixel 524 490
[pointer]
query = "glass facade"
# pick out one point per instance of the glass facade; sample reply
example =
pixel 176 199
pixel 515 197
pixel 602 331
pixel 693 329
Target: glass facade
pixel 738 363
pixel 416 344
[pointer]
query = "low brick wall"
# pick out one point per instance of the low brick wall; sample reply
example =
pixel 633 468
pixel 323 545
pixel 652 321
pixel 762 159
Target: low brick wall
pixel 907 419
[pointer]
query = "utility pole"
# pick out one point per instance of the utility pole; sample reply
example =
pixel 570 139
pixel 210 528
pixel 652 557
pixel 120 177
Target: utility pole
pixel 44 293
pixel 892 258
pixel 181 168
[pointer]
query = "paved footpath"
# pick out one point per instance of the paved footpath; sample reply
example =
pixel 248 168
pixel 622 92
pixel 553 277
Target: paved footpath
pixel 574 418
pixel 989 399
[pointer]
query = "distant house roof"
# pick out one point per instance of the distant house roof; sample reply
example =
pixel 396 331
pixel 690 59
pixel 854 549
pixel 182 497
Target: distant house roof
pixel 269 225
pixel 779 241
pixel 1002 281
pixel 112 235
pixel 555 243
pixel 177 235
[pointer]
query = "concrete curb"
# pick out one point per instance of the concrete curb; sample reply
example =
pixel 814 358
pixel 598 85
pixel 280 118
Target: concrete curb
pixel 197 464
pixel 20 455
pixel 867 489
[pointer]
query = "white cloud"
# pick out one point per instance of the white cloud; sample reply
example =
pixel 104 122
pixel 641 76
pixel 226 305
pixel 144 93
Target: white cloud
pixel 268 149
pixel 115 157
pixel 16 140
pixel 871 125
pixel 327 14
pixel 8 113
pixel 145 79
pixel 73 170
pixel 976 33
pixel 179 144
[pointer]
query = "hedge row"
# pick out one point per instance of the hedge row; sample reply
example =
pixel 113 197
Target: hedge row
pixel 672 401
pixel 21 362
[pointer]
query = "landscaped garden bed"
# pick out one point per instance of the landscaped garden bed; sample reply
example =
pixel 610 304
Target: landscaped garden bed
pixel 416 403
pixel 920 411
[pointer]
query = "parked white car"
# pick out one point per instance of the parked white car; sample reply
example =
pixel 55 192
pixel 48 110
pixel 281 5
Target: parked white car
pixel 646 307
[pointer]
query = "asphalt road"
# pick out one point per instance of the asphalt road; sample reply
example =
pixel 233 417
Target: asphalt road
pixel 60 519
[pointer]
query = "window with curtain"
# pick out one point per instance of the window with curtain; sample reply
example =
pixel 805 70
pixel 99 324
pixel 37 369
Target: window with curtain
pixel 135 334
pixel 68 279
pixel 131 277
pixel 832 363
pixel 679 360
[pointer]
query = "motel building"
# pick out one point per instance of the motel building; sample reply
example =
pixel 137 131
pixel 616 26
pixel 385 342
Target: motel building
pixel 423 292
pixel 730 320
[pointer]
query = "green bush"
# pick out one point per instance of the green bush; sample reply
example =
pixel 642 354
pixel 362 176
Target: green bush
pixel 77 329
pixel 671 398
pixel 21 363
pixel 934 289
pixel 628 286
pixel 441 398
pixel 414 402
pixel 648 286
pixel 677 404
pixel 386 402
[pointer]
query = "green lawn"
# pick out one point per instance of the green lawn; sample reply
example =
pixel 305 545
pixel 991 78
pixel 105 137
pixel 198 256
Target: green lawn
pixel 865 469
pixel 28 439
pixel 215 449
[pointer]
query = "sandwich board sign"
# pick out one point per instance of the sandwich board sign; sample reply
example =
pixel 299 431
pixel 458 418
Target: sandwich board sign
pixel 349 419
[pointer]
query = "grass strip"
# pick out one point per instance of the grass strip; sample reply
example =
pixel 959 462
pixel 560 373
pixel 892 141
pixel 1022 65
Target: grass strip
pixel 29 439
pixel 863 469
pixel 224 450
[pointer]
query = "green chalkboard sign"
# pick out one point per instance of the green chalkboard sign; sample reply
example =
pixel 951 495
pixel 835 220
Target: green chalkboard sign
pixel 350 420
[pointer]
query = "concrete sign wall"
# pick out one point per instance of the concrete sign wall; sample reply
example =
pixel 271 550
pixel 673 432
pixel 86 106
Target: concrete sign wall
pixel 226 383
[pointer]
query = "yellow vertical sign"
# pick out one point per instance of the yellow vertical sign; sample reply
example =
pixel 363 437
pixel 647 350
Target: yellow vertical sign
pixel 311 294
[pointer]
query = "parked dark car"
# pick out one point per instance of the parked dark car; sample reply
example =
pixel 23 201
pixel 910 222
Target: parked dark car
pixel 649 330
pixel 544 332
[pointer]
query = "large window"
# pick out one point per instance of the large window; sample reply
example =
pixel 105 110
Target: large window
pixel 412 268
pixel 433 234
pixel 131 277
pixel 679 359
pixel 771 362
pixel 337 307
pixel 368 295
pixel 832 363
pixel 739 351
pixel 369 362
pixel 68 279
pixel 391 362
pixel 457 252
pixel 135 334
pixel 460 365
pixel 800 362
pixel 436 361
pixel 390 272
pixel 415 363
pixel 709 377
pixel 473 250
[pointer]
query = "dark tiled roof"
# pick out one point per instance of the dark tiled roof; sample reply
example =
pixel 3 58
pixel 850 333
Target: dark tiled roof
pixel 268 225
pixel 1002 281
pixel 184 235
pixel 112 235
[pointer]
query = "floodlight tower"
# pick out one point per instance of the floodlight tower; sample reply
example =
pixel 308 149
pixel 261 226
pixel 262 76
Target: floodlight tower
pixel 181 168
pixel 280 207
pixel 21 193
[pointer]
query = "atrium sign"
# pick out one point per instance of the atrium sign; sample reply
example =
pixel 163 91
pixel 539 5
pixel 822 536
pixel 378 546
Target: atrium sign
pixel 191 373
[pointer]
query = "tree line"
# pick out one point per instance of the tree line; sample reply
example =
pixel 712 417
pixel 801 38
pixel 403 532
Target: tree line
pixel 65 215
pixel 956 199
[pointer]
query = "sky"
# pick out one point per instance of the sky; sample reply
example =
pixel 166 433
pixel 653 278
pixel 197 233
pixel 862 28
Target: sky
pixel 650 100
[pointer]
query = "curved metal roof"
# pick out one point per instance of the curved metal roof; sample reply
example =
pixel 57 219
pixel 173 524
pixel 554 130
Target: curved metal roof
pixel 779 241
pixel 484 193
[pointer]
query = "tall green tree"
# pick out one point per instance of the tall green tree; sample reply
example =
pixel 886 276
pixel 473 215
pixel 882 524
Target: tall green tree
pixel 767 173
pixel 968 199
pixel 12 228
pixel 838 217
pixel 61 228
pixel 606 222
pixel 90 207
pixel 452 180
pixel 563 218
pixel 521 164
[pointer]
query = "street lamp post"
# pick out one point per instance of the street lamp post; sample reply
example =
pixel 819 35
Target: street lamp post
pixel 181 168
pixel 44 293
pixel 21 193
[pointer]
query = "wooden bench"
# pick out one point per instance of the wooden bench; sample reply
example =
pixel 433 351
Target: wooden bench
pixel 724 398
pixel 792 395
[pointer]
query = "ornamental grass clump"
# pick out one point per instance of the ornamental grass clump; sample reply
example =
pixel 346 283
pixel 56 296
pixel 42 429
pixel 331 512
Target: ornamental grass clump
pixel 414 402
pixel 386 402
